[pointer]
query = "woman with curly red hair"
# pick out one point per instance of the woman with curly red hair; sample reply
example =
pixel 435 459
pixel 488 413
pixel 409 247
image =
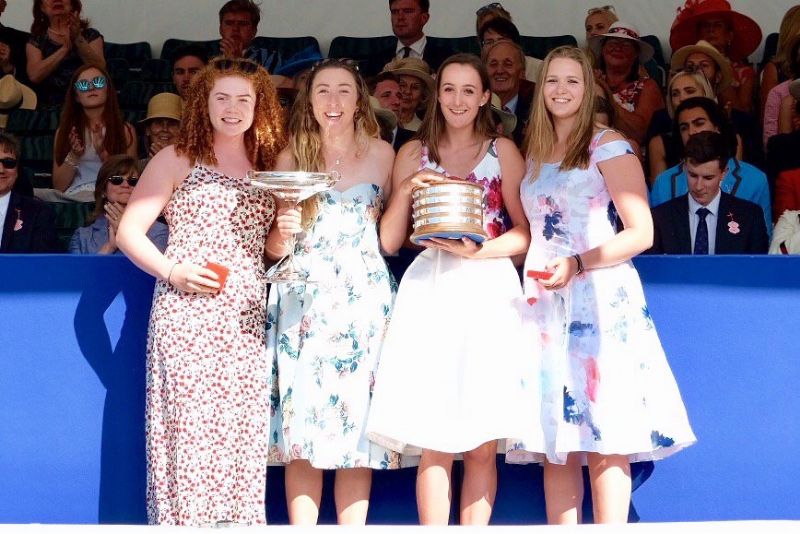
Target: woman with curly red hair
pixel 207 368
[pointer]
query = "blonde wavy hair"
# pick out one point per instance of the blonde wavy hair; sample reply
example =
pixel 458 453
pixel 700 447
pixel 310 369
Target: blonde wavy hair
pixel 263 140
pixel 540 140
pixel 305 139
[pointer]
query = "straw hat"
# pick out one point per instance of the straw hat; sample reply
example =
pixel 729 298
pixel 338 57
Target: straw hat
pixel 14 95
pixel 382 113
pixel 747 33
pixel 164 106
pixel 412 66
pixel 622 30
pixel 704 47
pixel 507 119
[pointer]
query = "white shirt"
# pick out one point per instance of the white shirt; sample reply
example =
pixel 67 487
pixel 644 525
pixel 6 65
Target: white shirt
pixel 417 48
pixel 4 200
pixel 711 220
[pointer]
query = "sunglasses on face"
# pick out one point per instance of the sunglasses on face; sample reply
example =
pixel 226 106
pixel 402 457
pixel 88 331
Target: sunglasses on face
pixel 8 163
pixel 117 180
pixel 489 7
pixel 243 65
pixel 84 86
pixel 601 9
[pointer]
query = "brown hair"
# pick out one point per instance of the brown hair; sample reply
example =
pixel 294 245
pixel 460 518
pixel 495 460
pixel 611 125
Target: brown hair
pixel 118 165
pixel 73 116
pixel 540 140
pixel 242 6
pixel 265 137
pixel 41 22
pixel 305 140
pixel 433 125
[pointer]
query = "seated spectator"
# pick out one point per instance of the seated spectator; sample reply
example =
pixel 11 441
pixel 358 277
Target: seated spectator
pixel 387 120
pixel 620 52
pixel 789 118
pixel 776 97
pixel 604 116
pixel 787 192
pixel 504 62
pixel 115 182
pixel 777 69
pixel 28 224
pixel 14 95
pixel 733 34
pixel 500 28
pixel 238 26
pixel 706 220
pixel 162 123
pixel 742 180
pixel 12 50
pixel 90 131
pixel 416 86
pixel 663 149
pixel 187 61
pixel 597 22
pixel 60 42
pixel 488 12
pixel 408 18
pixel 786 236
pixel 385 88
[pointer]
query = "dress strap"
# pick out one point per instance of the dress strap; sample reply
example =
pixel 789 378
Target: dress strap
pixel 612 149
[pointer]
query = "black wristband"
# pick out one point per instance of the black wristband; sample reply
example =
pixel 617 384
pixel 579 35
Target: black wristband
pixel 579 261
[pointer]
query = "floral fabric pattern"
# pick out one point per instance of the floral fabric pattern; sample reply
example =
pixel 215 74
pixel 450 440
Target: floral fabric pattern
pixel 325 337
pixel 606 384
pixel 207 366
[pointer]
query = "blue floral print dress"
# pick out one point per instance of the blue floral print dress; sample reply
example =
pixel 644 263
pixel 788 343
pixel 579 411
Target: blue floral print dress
pixel 456 356
pixel 605 382
pixel 325 337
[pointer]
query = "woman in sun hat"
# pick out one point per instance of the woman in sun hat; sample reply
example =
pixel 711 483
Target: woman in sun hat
pixel 733 34
pixel 161 124
pixel 14 95
pixel 619 53
pixel 416 86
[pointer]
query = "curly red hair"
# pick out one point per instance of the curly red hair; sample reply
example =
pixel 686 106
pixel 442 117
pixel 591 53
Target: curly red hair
pixel 263 140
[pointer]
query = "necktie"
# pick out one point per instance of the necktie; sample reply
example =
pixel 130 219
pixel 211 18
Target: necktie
pixel 701 237
pixel 406 51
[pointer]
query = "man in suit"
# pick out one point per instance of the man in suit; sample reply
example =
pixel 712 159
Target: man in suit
pixel 408 20
pixel 505 63
pixel 706 220
pixel 28 223
pixel 385 87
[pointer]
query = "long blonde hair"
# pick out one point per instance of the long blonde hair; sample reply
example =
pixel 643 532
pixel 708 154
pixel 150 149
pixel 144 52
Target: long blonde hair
pixel 305 139
pixel 540 140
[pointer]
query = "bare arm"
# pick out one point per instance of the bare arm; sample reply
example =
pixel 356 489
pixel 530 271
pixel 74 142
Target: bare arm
pixel 91 52
pixel 64 174
pixel 287 222
pixel 769 79
pixel 131 141
pixel 40 68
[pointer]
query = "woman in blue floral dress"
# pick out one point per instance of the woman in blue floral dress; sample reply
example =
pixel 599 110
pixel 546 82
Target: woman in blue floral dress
pixel 452 366
pixel 608 395
pixel 325 335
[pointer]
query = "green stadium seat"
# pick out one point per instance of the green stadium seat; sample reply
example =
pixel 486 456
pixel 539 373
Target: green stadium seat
pixel 134 53
pixel 540 46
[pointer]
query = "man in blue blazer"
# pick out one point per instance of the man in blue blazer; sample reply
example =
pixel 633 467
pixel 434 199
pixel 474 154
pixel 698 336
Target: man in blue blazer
pixel 705 220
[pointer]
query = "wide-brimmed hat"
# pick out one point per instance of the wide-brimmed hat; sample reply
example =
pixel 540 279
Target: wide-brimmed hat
pixel 164 106
pixel 747 33
pixel 382 113
pixel 704 47
pixel 14 95
pixel 299 62
pixel 622 30
pixel 412 66
pixel 506 118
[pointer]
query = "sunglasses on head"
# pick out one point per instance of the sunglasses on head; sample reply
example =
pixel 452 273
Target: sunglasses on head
pixel 8 163
pixel 84 86
pixel 601 9
pixel 117 180
pixel 243 65
pixel 489 7
pixel 334 61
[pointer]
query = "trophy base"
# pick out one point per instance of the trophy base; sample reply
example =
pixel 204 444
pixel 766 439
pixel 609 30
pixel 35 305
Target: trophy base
pixel 285 271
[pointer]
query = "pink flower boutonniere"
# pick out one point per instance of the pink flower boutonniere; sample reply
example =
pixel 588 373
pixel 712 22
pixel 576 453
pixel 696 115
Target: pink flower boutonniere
pixel 18 224
pixel 733 226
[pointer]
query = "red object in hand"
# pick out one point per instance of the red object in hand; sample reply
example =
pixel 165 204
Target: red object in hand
pixel 220 270
pixel 540 275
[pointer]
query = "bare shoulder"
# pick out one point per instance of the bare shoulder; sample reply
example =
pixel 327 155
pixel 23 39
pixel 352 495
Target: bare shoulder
pixel 410 150
pixel 609 136
pixel 167 162
pixel 381 149
pixel 507 148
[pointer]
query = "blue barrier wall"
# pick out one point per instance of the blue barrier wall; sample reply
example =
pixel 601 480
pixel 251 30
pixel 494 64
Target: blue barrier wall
pixel 72 395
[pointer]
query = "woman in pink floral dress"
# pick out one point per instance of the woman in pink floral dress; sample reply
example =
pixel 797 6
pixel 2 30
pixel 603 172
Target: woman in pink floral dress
pixel 207 368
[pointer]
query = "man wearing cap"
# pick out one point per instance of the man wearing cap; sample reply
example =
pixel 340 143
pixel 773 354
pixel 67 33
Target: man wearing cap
pixel 28 224
pixel 14 95
pixel 408 19
pixel 162 123
pixel 12 50
pixel 238 24
pixel 505 63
